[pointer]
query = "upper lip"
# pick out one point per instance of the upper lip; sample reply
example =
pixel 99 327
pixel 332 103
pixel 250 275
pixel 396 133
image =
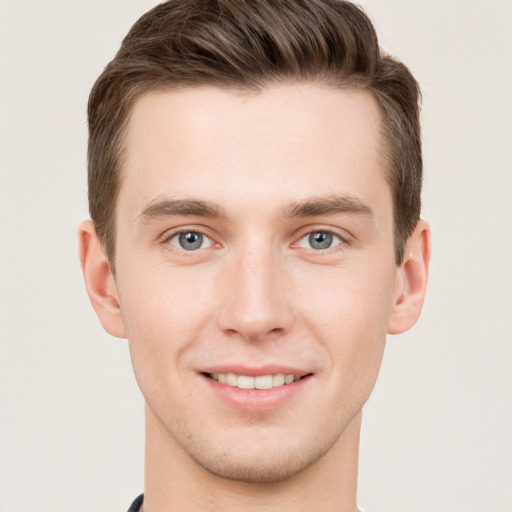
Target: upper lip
pixel 253 371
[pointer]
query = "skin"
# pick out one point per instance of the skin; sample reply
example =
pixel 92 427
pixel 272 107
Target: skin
pixel 256 293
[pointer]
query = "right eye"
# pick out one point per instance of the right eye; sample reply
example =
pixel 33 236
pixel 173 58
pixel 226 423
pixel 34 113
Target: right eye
pixel 320 240
pixel 190 241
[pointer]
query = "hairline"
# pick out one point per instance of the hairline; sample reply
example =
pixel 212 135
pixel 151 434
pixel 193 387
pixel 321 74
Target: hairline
pixel 350 84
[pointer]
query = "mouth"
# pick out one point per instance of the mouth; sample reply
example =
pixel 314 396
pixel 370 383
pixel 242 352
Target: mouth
pixel 256 390
pixel 269 381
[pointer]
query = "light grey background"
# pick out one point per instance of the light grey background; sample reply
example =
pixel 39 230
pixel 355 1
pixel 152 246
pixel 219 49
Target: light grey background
pixel 437 433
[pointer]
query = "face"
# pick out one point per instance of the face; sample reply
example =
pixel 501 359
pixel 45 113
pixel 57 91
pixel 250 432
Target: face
pixel 255 270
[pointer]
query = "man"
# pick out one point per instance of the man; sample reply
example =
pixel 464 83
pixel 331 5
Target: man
pixel 254 186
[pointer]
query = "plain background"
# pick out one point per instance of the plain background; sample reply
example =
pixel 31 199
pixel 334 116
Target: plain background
pixel 437 433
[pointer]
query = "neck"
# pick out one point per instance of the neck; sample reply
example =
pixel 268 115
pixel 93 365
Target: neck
pixel 173 481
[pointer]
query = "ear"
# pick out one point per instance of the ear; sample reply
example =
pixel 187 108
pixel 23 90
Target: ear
pixel 99 281
pixel 412 277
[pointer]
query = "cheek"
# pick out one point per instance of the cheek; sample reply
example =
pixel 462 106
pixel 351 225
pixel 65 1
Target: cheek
pixel 353 297
pixel 164 311
pixel 350 313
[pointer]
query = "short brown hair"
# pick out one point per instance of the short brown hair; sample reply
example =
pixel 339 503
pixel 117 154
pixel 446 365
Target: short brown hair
pixel 247 44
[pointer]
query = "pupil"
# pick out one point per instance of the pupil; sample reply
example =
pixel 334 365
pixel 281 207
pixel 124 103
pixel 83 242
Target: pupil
pixel 191 241
pixel 320 240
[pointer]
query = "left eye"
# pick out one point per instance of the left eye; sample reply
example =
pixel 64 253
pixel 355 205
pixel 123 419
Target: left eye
pixel 190 240
pixel 319 240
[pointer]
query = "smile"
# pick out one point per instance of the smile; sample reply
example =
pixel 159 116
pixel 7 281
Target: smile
pixel 258 382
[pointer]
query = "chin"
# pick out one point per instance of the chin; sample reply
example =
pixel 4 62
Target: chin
pixel 259 471
pixel 259 464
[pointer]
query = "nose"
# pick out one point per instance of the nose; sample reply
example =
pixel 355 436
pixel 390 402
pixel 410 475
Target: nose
pixel 255 303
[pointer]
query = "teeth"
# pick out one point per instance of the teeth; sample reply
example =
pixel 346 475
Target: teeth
pixel 263 382
pixel 245 382
pixel 288 379
pixel 278 379
pixel 259 382
pixel 231 379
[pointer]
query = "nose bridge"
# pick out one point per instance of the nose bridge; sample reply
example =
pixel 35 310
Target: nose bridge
pixel 255 302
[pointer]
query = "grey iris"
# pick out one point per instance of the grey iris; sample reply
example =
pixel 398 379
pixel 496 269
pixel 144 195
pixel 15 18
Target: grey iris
pixel 320 240
pixel 191 240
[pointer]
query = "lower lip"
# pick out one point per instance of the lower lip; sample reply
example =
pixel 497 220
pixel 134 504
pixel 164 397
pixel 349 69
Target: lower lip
pixel 256 399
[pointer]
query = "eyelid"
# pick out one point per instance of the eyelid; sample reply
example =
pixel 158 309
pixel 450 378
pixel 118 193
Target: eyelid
pixel 334 236
pixel 171 233
pixel 342 234
pixel 206 241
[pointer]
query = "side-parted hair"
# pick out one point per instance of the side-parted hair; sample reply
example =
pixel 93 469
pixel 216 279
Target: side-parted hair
pixel 246 45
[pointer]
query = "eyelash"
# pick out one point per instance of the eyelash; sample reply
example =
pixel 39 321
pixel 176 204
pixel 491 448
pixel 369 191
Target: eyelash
pixel 167 237
pixel 343 240
pixel 334 244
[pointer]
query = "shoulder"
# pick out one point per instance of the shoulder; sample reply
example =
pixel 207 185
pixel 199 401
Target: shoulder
pixel 136 505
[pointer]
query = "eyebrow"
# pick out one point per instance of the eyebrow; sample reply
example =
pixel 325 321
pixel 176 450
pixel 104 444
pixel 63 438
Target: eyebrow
pixel 329 205
pixel 177 207
pixel 309 207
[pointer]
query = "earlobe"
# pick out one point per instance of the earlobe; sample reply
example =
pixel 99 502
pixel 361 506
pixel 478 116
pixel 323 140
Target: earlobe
pixel 412 280
pixel 99 281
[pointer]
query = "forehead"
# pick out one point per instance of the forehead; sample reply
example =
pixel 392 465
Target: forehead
pixel 284 142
